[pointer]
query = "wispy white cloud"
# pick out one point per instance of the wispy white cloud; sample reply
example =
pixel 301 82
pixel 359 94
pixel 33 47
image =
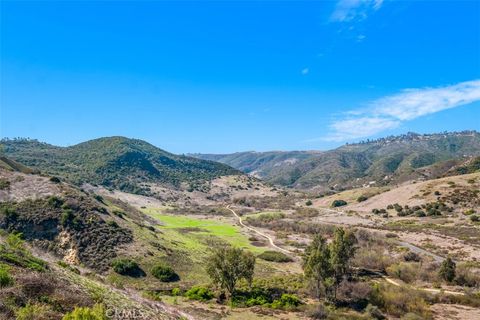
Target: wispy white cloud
pixel 391 111
pixel 305 71
pixel 354 10
pixel 413 103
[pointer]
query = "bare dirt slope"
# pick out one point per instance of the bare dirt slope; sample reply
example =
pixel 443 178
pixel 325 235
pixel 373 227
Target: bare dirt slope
pixel 25 186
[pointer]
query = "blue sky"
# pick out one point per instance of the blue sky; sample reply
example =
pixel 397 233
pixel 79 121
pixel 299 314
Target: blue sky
pixel 227 76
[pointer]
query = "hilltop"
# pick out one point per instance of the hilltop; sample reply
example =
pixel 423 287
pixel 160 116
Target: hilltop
pixel 389 160
pixel 115 162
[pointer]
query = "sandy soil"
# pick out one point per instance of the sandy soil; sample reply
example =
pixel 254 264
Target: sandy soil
pixel 334 217
pixel 454 312
pixel 220 190
pixel 410 193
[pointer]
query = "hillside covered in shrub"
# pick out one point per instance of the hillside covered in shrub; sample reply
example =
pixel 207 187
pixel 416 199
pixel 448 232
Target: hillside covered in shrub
pixel 115 162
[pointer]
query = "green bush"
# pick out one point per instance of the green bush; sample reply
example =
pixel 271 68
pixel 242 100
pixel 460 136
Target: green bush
pixel 127 267
pixel 257 301
pixel 6 279
pixel 4 184
pixel 55 179
pixel 397 301
pixel 164 273
pixel 287 302
pixel 309 203
pixel 14 252
pixel 474 218
pixel 199 293
pixel 65 265
pixel 113 224
pixel 275 256
pixel 447 270
pixel 8 211
pixel 55 202
pixel 35 312
pixel 176 292
pixel 339 203
pixel 362 198
pixel 97 312
pixel 404 271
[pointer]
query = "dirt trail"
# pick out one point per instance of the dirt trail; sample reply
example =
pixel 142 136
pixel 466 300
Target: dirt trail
pixel 386 278
pixel 270 239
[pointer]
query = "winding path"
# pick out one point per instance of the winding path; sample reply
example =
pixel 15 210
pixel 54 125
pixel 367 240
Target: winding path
pixel 266 236
pixel 386 278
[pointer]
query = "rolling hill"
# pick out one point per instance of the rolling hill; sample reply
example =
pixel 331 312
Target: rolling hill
pixel 115 162
pixel 384 161
pixel 260 164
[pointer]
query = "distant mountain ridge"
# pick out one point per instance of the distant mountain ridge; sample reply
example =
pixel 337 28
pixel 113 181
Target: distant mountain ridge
pixel 260 164
pixel 116 162
pixel 383 161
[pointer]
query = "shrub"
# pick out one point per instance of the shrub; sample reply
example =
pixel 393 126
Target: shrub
pixel 362 198
pixel 397 301
pixel 98 197
pixel 372 258
pixel 113 224
pixel 420 213
pixel 412 256
pixel 467 276
pixel 118 213
pixel 407 272
pixel 447 270
pixel 164 273
pixel 34 312
pixel 55 179
pixel 55 202
pixel 6 279
pixel 309 203
pixel 14 252
pixel 318 312
pixel 8 211
pixel 374 312
pixel 474 218
pixel 65 265
pixel 354 293
pixel 275 256
pixel 127 267
pixel 4 184
pixel 287 302
pixel 339 203
pixel 97 312
pixel 469 212
pixel 199 293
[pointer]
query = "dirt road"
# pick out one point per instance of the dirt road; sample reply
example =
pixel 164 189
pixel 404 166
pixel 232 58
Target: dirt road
pixel 386 278
pixel 266 236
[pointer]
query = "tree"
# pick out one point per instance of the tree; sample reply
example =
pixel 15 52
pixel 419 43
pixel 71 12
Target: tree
pixel 342 250
pixel 447 270
pixel 326 265
pixel 227 265
pixel 317 266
